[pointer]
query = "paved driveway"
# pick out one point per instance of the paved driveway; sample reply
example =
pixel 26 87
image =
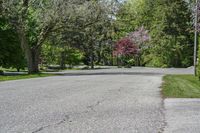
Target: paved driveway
pixel 112 102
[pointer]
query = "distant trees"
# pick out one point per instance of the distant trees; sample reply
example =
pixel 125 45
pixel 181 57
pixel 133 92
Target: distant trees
pixel 169 23
pixel 80 21
pixel 90 31
pixel 52 54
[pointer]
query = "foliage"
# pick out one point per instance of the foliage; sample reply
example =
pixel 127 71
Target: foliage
pixel 11 54
pixel 125 50
pixel 97 37
pixel 169 24
pixel 139 36
pixel 71 31
pixel 51 54
pixel 34 21
pixel 132 46
pixel 125 47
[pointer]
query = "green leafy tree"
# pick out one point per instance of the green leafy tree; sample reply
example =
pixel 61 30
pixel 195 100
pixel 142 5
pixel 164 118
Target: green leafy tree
pixel 11 54
pixel 171 34
pixel 35 20
pixel 169 23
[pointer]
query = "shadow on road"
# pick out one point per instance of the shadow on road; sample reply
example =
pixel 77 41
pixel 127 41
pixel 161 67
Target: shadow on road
pixel 110 73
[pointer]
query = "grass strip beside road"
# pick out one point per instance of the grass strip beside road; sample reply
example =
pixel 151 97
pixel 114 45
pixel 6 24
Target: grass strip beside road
pixel 181 86
pixel 24 76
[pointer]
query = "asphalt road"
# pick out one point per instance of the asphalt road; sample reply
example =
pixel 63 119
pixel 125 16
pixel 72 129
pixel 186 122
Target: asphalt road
pixel 110 102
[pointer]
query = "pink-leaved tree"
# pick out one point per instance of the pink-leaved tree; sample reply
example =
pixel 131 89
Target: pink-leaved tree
pixel 132 45
pixel 125 47
pixel 139 37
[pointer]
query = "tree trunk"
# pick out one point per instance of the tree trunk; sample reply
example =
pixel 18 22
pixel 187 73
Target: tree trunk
pixel 33 61
pixel 118 64
pixel 62 62
pixel 139 60
pixel 34 68
pixel 92 60
pixel 31 54
pixel 99 58
pixel 91 53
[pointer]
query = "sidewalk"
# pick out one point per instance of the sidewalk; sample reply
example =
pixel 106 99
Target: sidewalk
pixel 182 115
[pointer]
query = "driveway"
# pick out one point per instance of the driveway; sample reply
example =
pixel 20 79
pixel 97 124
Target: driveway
pixel 110 101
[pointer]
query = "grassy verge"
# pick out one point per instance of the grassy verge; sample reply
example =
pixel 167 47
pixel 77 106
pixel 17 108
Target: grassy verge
pixel 181 86
pixel 24 76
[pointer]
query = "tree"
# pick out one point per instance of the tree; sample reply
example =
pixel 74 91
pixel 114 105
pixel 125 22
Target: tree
pixel 169 24
pixel 125 49
pixel 35 20
pixel 11 54
pixel 171 34
pixel 140 37
pixel 99 16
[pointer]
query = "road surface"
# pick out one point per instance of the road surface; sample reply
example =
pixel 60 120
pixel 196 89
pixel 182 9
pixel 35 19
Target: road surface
pixel 110 101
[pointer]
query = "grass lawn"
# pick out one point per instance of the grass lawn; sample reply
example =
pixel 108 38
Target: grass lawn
pixel 181 86
pixel 24 76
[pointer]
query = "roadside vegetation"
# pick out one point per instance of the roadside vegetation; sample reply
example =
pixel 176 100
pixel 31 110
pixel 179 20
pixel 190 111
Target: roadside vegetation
pixel 36 34
pixel 181 86
pixel 23 76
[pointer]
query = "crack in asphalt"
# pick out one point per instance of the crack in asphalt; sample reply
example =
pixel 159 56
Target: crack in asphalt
pixel 40 129
pixel 91 107
pixel 65 119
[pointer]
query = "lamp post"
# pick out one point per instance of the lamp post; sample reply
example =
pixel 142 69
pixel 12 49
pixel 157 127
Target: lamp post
pixel 195 37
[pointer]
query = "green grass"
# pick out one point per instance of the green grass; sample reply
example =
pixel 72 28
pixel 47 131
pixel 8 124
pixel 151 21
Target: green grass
pixel 181 86
pixel 24 76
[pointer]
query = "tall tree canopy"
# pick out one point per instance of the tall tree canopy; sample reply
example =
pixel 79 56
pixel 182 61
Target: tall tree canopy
pixel 35 20
pixel 169 23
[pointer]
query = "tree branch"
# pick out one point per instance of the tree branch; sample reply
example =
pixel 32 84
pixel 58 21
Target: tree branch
pixel 44 34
